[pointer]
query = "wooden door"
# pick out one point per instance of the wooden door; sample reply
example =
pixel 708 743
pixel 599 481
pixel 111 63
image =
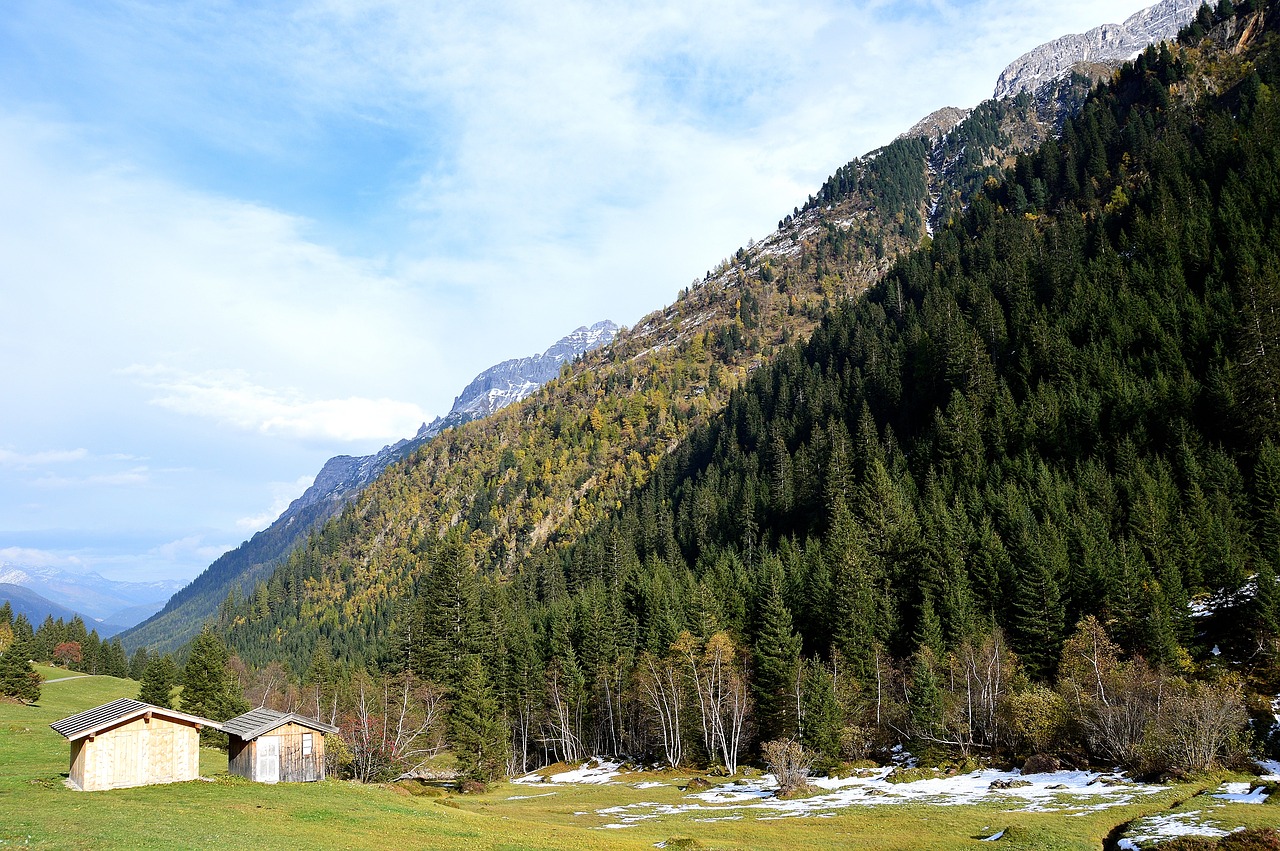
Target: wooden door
pixel 127 767
pixel 268 759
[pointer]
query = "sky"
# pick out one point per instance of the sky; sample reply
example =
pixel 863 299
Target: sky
pixel 238 239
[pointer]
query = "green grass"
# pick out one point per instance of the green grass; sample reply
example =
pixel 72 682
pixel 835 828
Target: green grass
pixel 49 672
pixel 37 810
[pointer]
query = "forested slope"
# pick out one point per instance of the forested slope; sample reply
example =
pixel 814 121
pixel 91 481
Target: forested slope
pixel 530 481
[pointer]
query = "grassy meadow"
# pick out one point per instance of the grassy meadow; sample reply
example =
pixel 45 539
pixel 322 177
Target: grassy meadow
pixel 38 810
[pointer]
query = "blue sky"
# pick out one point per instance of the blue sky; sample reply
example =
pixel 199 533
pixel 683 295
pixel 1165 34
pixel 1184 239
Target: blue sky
pixel 237 239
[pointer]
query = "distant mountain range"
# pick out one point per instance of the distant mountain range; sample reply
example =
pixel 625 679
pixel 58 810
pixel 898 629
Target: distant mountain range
pixel 106 605
pixel 340 480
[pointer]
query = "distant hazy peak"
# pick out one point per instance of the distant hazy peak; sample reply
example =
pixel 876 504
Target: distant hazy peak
pixel 1107 43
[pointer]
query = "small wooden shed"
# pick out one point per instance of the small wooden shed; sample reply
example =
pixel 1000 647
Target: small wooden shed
pixel 130 743
pixel 274 747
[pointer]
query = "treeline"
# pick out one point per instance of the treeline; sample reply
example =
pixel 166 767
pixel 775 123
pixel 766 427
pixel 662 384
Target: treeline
pixel 70 644
pixel 969 513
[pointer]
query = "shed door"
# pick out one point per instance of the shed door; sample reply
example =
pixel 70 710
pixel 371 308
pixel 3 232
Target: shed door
pixel 128 764
pixel 268 767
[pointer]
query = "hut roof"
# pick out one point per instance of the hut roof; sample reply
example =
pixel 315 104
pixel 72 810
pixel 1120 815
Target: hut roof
pixel 94 720
pixel 255 722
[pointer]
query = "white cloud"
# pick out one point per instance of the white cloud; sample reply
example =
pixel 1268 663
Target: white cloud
pixel 135 477
pixel 32 557
pixel 192 548
pixel 9 458
pixel 283 493
pixel 231 398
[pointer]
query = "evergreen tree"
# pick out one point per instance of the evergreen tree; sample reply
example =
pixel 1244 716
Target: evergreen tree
pixel 138 664
pixel 448 618
pixel 478 732
pixel 158 680
pixel 18 678
pixel 777 668
pixel 209 689
pixel 820 722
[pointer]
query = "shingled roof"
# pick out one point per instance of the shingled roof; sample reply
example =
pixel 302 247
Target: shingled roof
pixel 120 711
pixel 255 722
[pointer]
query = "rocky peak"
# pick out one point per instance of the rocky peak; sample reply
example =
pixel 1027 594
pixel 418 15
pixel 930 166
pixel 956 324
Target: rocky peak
pixel 937 124
pixel 1109 43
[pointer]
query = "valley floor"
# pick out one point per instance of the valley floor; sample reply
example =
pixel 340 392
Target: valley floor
pixel 590 807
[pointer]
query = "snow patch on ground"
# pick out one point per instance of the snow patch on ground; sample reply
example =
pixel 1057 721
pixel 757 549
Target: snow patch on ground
pixel 592 771
pixel 1242 793
pixel 1068 792
pixel 1271 770
pixel 1156 829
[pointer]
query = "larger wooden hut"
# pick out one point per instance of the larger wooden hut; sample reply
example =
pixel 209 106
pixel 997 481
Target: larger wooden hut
pixel 275 747
pixel 130 743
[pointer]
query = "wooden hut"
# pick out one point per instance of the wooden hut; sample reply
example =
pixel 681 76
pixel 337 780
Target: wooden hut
pixel 274 747
pixel 130 743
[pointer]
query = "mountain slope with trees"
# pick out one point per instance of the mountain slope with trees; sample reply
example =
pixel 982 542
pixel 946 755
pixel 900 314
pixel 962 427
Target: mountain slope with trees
pixel 532 479
pixel 969 512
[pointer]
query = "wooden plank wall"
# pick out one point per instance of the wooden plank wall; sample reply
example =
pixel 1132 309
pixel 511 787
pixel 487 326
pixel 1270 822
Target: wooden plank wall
pixel 294 766
pixel 138 753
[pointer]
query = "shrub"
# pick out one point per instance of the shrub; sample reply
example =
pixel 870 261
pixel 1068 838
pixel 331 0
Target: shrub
pixel 1036 719
pixel 790 763
pixel 1253 839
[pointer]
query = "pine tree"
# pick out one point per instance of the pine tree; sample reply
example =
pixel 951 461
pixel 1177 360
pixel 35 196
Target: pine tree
pixel 820 723
pixel 209 689
pixel 478 731
pixel 18 678
pixel 158 680
pixel 448 614
pixel 138 664
pixel 777 667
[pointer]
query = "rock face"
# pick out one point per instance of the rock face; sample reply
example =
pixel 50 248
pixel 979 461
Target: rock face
pixel 513 380
pixel 1108 43
pixel 937 124
pixel 340 480
pixel 504 384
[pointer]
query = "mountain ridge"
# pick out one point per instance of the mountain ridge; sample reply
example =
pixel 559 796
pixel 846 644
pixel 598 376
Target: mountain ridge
pixel 1108 43
pixel 341 479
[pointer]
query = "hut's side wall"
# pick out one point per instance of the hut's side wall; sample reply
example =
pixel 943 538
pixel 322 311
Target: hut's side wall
pixel 241 757
pixel 138 753
pixel 78 758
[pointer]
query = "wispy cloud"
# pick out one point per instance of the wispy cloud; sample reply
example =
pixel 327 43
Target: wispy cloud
pixel 191 548
pixel 283 493
pixel 136 477
pixel 9 458
pixel 230 397
pixel 33 557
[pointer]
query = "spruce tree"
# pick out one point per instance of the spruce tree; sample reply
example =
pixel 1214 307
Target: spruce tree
pixel 18 678
pixel 209 689
pixel 158 680
pixel 478 731
pixel 820 724
pixel 138 664
pixel 777 667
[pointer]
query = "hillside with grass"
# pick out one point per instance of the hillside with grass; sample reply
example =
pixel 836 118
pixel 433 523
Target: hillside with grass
pixel 603 807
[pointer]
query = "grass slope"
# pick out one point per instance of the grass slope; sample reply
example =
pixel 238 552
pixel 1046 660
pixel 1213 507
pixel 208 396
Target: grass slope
pixel 37 810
